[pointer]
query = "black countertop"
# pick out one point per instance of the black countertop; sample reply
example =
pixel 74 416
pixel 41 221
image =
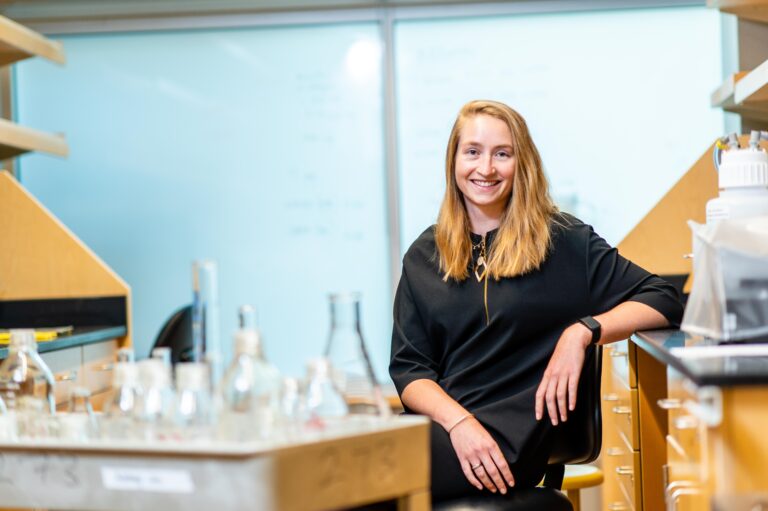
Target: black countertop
pixel 704 361
pixel 80 336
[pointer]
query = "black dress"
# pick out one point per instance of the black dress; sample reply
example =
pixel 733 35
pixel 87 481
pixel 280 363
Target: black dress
pixel 492 365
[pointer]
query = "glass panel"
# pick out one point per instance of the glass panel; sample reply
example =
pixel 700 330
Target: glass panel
pixel 617 101
pixel 261 149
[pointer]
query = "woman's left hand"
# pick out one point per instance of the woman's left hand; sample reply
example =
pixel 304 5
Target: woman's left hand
pixel 561 379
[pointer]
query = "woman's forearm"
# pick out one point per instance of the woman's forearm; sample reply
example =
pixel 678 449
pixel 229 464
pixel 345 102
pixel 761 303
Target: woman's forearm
pixel 428 398
pixel 626 318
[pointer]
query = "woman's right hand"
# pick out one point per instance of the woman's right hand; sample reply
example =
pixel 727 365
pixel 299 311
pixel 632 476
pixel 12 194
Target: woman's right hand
pixel 480 457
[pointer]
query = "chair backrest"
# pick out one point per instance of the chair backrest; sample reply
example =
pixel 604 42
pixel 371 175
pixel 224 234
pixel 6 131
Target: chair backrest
pixel 177 335
pixel 578 440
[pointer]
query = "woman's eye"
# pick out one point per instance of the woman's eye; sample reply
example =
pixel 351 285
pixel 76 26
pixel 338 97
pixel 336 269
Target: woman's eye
pixel 503 154
pixel 472 151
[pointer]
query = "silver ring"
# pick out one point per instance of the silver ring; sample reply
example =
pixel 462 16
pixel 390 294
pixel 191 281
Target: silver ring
pixel 475 467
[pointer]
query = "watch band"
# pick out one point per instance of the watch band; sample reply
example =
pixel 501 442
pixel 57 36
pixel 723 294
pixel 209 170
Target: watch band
pixel 594 327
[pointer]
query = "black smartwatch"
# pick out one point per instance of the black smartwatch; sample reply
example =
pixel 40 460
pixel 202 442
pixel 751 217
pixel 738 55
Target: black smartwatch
pixel 594 327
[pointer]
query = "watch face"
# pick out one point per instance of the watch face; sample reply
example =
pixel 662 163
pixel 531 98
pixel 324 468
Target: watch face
pixel 593 325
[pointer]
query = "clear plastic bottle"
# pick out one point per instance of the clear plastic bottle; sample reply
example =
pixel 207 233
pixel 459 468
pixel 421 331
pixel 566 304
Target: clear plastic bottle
pixel 250 388
pixel 30 385
pixel 154 406
pixel 743 183
pixel 120 411
pixel 353 372
pixel 193 415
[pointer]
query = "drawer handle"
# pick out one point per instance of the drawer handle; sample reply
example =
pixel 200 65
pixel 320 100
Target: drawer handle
pixel 624 471
pixel 614 451
pixel 621 410
pixel 611 397
pixel 669 404
pixel 68 376
pixel 686 422
pixel 617 506
pixel 618 354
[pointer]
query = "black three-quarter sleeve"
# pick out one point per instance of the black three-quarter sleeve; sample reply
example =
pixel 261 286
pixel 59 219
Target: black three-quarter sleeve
pixel 411 357
pixel 612 279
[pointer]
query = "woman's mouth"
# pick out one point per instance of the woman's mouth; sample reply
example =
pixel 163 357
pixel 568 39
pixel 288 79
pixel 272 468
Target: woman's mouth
pixel 484 184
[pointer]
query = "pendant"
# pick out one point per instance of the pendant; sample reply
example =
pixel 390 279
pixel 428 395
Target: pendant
pixel 480 264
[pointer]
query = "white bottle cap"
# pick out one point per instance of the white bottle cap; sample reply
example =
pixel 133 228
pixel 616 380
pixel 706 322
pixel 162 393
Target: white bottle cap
pixel 23 338
pixel 743 168
pixel 125 374
pixel 192 376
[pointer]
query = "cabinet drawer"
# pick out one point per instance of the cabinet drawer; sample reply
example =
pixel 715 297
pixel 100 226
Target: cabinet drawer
pixel 628 474
pixel 624 414
pixel 65 366
pixel 98 362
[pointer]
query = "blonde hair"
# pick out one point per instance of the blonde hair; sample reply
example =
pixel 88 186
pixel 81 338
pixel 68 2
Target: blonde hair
pixel 523 239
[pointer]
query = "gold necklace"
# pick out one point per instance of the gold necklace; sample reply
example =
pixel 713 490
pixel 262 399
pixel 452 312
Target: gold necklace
pixel 481 266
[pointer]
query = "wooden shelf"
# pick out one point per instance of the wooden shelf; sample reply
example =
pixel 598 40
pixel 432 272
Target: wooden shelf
pixel 17 42
pixel 745 93
pixel 754 10
pixel 16 140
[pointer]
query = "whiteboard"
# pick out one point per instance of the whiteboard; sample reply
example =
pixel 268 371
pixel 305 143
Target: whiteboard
pixel 617 103
pixel 259 148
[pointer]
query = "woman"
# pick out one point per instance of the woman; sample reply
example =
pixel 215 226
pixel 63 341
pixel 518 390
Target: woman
pixel 497 304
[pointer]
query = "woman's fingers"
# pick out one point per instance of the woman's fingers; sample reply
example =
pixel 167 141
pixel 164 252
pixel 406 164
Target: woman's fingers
pixel 469 473
pixel 573 387
pixel 551 398
pixel 562 397
pixel 540 394
pixel 506 473
pixel 482 474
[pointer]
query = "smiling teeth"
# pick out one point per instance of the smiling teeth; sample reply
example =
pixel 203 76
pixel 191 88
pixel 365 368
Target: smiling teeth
pixel 485 183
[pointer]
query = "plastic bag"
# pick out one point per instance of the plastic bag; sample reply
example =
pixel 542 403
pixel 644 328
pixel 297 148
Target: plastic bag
pixel 729 298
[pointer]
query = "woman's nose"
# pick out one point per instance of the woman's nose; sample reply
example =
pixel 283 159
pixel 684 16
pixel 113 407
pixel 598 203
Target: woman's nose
pixel 485 166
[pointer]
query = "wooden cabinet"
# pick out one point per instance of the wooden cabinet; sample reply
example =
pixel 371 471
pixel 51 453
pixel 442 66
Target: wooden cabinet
pixel 746 92
pixel 631 457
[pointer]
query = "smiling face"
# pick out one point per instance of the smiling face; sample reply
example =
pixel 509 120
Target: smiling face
pixel 484 169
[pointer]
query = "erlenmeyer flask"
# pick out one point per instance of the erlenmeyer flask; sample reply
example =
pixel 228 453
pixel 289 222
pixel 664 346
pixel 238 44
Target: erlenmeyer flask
pixel 29 384
pixel 352 370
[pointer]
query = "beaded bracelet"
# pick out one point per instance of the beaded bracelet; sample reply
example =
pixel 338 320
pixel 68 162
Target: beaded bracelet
pixel 461 419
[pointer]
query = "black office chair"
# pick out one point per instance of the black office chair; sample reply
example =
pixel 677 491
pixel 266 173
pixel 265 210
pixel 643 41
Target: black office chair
pixel 177 335
pixel 575 441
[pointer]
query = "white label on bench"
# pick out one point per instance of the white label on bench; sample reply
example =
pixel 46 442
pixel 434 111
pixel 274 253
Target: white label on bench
pixel 159 480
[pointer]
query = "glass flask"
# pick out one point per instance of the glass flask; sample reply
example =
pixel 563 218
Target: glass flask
pixel 193 413
pixel 79 424
pixel 119 412
pixel 250 388
pixel 324 401
pixel 206 339
pixel 353 372
pixel 7 424
pixel 154 406
pixel 29 385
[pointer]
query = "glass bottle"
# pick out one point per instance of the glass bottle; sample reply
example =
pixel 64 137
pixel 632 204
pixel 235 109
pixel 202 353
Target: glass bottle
pixel 29 385
pixel 324 401
pixel 79 424
pixel 193 414
pixel 250 387
pixel 206 339
pixel 7 424
pixel 154 406
pixel 353 372
pixel 119 412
